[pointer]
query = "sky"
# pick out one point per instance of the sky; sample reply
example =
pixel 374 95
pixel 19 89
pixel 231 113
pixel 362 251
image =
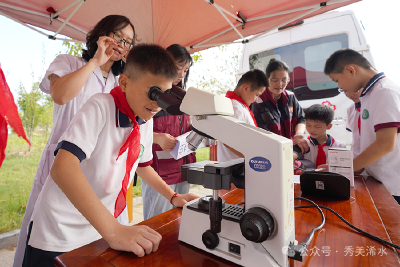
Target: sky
pixel 21 48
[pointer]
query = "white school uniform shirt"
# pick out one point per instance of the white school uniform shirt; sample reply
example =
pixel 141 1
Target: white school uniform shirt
pixel 63 114
pixel 380 108
pixel 352 126
pixel 241 112
pixel 95 136
pixel 312 152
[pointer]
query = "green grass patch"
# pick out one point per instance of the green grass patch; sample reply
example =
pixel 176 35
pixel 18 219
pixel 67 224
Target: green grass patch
pixel 203 154
pixel 16 177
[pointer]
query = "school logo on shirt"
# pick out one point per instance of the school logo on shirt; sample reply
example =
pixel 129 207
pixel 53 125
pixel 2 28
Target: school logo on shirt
pixel 291 111
pixel 141 151
pixel 365 114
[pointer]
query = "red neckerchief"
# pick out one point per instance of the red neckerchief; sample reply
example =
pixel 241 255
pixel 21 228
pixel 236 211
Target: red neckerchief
pixel 132 142
pixel 233 95
pixel 321 156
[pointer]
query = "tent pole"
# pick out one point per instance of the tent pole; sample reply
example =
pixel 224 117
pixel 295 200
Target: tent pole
pixel 26 25
pixel 230 23
pixel 36 30
pixel 39 14
pixel 67 7
pixel 69 17
pixel 255 37
pixel 309 9
pixel 224 10
pixel 214 36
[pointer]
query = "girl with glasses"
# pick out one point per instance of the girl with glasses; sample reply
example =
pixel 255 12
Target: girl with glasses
pixel 278 110
pixel 71 81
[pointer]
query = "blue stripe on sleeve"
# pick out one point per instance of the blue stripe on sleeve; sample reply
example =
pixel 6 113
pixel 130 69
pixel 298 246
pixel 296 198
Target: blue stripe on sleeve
pixel 74 149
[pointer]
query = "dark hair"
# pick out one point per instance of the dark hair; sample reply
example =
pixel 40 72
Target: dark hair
pixel 150 58
pixel 104 27
pixel 181 56
pixel 343 57
pixel 275 65
pixel 256 78
pixel 318 112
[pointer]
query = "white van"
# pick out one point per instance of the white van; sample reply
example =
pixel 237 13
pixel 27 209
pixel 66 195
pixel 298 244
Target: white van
pixel 305 46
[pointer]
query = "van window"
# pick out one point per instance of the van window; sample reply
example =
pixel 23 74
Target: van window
pixel 309 58
pixel 261 60
pixel 306 60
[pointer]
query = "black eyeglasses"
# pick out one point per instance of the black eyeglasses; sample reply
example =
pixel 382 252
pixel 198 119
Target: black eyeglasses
pixel 118 38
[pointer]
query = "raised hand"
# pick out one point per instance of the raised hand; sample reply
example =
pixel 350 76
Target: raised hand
pixel 104 50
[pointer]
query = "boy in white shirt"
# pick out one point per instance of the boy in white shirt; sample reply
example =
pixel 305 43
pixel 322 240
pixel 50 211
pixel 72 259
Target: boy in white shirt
pixel 380 115
pixel 250 86
pixel 318 121
pixel 95 157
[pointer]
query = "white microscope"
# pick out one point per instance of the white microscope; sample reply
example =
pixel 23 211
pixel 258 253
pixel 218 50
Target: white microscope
pixel 257 234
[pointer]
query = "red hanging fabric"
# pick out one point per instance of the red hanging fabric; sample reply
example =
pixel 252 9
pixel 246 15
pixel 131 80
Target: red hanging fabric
pixel 8 114
pixel 132 143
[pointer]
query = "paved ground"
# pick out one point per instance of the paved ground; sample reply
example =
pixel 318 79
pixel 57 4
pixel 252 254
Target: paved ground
pixel 7 254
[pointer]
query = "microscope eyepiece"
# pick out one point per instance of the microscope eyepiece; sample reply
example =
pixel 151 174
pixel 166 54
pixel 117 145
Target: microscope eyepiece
pixel 170 100
pixel 154 93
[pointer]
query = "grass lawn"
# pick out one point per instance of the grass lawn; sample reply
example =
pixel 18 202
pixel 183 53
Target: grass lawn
pixel 17 173
pixel 16 177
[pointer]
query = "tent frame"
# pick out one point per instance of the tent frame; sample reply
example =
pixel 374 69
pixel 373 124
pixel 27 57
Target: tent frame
pixel 52 17
pixel 242 21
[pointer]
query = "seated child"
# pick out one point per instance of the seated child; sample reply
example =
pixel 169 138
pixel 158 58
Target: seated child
pixel 251 85
pixel 380 115
pixel 91 171
pixel 318 121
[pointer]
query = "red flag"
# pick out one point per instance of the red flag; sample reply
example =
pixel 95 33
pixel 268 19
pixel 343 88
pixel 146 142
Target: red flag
pixel 8 114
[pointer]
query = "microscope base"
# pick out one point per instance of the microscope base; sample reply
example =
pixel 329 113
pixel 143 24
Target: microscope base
pixel 232 245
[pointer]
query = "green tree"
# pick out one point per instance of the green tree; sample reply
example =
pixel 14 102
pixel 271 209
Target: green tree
pixel 221 68
pixel 46 115
pixel 29 104
pixel 73 48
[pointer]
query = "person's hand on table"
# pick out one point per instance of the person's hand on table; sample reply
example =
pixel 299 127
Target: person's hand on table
pixel 359 171
pixel 139 239
pixel 301 142
pixel 181 200
pixel 165 141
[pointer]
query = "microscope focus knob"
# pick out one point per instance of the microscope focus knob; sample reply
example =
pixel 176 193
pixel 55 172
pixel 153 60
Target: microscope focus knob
pixel 210 239
pixel 257 224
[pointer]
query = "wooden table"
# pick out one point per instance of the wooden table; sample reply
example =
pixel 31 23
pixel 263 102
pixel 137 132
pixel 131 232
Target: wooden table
pixel 372 209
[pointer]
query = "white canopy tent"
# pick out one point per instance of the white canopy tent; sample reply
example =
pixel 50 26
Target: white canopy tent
pixel 196 24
